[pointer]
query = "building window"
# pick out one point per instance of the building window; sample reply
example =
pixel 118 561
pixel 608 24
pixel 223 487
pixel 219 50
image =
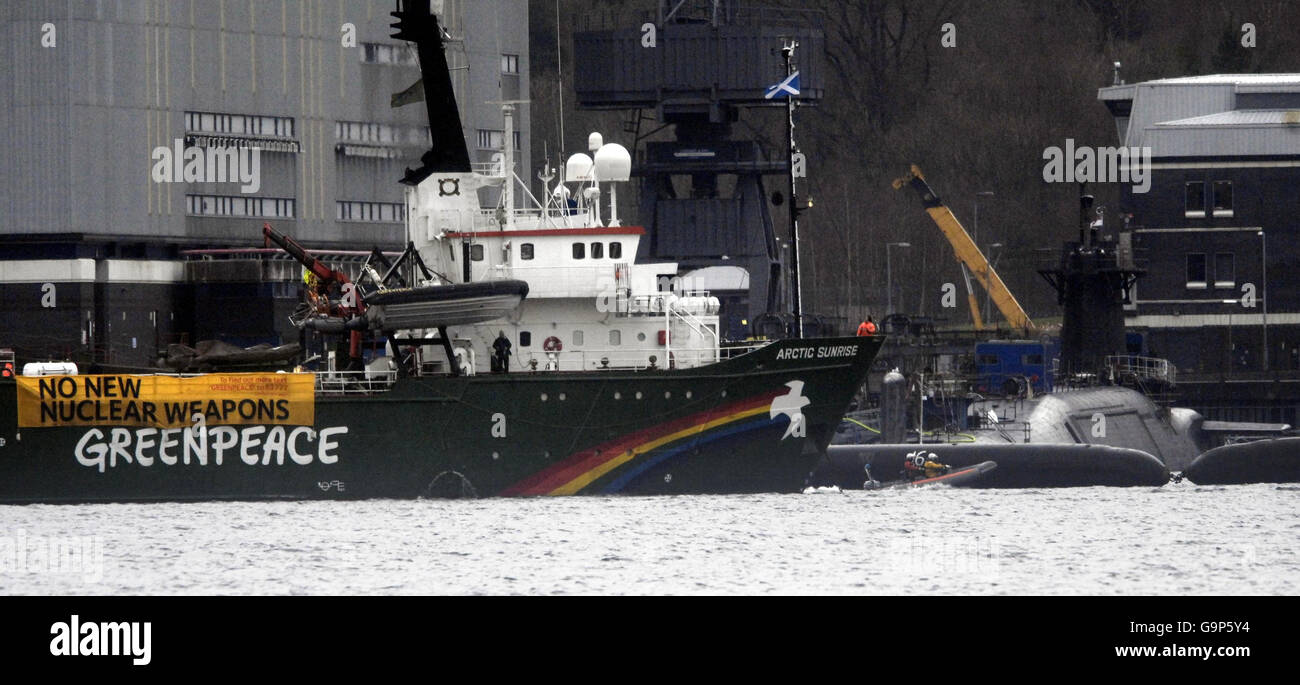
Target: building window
pixel 615 337
pixel 578 249
pixel 371 212
pixel 491 139
pixel 476 253
pixel 245 124
pixel 510 64
pixel 1223 198
pixel 1225 274
pixel 1195 199
pixel 525 338
pixel 577 338
pixel 369 132
pixel 526 251
pixel 383 53
pixel 597 250
pixel 240 206
pixel 615 250
pixel 1196 271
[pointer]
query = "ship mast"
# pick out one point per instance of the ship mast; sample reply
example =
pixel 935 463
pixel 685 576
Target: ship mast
pixel 788 52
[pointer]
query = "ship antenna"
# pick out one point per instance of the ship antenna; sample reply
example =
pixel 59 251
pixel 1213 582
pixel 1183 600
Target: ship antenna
pixel 559 73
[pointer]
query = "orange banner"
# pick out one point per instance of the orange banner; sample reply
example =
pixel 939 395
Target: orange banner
pixel 166 401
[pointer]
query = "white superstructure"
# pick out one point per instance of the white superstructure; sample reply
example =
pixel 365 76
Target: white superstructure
pixel 589 305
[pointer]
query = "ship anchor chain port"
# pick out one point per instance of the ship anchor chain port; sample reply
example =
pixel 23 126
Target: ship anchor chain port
pixel 450 485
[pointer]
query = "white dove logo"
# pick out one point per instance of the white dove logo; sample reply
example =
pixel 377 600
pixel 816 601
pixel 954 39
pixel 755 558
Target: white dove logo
pixel 791 404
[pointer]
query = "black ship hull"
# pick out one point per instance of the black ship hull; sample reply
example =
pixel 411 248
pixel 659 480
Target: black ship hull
pixel 754 423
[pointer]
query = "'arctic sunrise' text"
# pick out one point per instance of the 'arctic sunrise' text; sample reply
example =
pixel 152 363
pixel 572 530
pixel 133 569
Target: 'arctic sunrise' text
pixel 824 352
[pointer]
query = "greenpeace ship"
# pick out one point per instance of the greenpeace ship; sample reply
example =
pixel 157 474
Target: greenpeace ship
pixel 616 382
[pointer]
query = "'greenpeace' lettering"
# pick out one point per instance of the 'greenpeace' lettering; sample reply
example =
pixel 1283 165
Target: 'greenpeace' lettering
pixel 253 445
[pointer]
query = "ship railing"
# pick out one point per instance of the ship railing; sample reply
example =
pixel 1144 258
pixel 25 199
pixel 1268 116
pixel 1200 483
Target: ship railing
pixel 489 169
pixel 701 328
pixel 735 349
pixel 354 382
pixel 1142 368
pixel 531 218
pixel 623 359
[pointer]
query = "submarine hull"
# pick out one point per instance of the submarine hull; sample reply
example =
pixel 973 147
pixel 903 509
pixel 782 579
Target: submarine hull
pixel 1263 461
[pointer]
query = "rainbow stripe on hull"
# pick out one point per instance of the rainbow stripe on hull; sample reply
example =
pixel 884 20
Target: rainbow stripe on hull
pixel 611 466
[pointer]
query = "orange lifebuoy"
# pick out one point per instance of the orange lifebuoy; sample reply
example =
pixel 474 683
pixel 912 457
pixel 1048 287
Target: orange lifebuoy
pixel 552 344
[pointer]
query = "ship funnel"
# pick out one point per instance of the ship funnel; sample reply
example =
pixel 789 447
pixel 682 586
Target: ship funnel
pixel 417 24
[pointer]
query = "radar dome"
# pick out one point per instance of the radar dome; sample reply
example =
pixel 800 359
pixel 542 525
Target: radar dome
pixel 613 163
pixel 594 141
pixel 578 169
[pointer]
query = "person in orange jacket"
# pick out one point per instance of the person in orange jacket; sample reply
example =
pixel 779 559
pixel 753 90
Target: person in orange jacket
pixel 867 327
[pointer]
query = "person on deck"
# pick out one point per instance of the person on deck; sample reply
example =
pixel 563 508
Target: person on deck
pixel 867 327
pixel 922 464
pixel 501 353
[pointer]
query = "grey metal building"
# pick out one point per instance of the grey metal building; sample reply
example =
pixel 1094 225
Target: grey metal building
pixel 97 227
pixel 1217 234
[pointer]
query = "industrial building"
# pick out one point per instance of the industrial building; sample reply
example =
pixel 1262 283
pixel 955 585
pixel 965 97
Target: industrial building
pixel 1216 234
pixel 120 234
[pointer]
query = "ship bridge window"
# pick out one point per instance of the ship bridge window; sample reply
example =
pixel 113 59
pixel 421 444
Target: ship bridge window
pixel 1031 360
pixel 597 250
pixel 1223 198
pixel 1195 199
pixel 579 250
pixel 1196 271
pixel 476 252
pixel 526 251
pixel 615 250
pixel 1225 272
pixel 989 360
pixel 525 338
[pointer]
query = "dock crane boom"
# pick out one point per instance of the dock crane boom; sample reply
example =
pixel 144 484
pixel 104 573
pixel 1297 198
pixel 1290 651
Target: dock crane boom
pixel 968 254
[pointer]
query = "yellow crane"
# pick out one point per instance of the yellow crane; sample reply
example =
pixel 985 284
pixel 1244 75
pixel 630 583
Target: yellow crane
pixel 973 262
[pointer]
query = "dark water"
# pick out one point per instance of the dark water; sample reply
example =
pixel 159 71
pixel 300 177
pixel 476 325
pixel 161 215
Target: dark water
pixel 1174 540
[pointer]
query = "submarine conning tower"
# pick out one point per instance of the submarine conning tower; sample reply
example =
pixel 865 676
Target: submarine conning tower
pixel 697 64
pixel 1093 282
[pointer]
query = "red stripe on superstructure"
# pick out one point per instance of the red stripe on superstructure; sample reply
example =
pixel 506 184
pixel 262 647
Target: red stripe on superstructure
pixel 622 230
pixel 579 463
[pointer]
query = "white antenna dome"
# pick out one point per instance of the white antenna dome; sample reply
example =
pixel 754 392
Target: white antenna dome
pixel 613 163
pixel 561 190
pixel 578 169
pixel 594 141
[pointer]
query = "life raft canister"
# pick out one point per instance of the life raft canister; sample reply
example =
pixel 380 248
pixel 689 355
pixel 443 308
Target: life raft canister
pixel 552 344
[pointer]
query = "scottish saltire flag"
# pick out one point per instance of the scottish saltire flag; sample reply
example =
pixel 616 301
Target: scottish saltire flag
pixel 787 88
